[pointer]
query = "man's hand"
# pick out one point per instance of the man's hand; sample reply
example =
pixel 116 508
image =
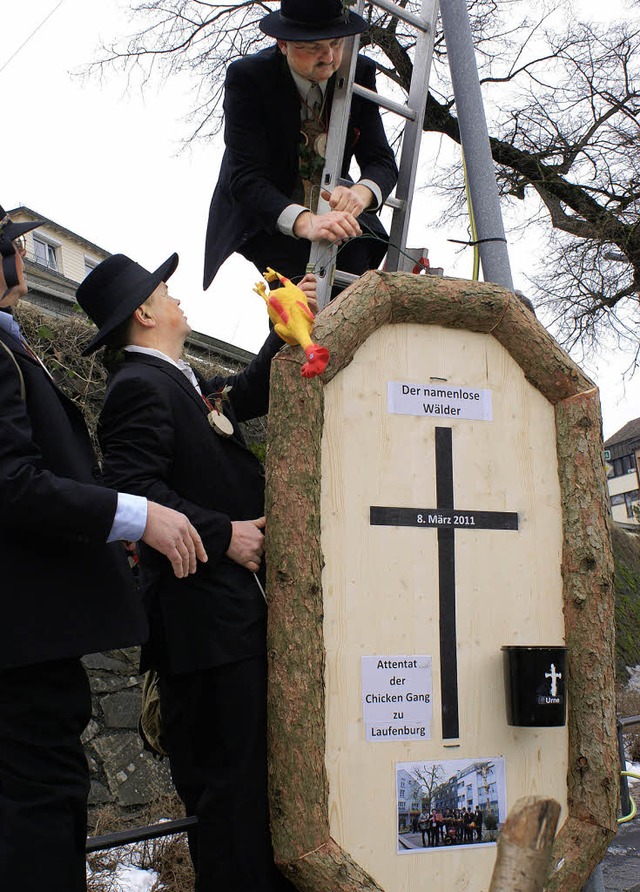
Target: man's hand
pixel 353 199
pixel 309 286
pixel 247 543
pixel 332 226
pixel 172 534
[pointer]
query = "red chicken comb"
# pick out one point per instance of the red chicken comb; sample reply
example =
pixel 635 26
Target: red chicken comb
pixel 318 357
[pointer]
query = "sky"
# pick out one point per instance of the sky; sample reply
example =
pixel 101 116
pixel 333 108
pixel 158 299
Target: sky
pixel 108 162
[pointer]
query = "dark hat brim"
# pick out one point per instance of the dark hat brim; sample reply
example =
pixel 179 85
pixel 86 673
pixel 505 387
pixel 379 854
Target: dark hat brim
pixel 136 295
pixel 275 25
pixel 12 230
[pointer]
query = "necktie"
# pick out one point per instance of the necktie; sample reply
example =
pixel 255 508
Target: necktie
pixel 314 101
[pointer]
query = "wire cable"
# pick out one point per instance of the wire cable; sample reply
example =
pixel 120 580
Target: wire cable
pixel 33 33
pixel 369 234
pixel 634 808
pixel 475 273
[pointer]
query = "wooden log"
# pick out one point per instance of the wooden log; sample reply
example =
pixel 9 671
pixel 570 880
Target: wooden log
pixel 378 298
pixel 587 571
pixel 296 657
pixel 298 781
pixel 524 846
pixel 329 869
pixel 298 788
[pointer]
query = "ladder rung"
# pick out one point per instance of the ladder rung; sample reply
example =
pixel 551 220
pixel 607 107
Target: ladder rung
pixel 340 277
pixel 389 104
pixel 399 12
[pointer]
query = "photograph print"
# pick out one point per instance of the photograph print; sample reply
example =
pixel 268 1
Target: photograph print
pixel 448 804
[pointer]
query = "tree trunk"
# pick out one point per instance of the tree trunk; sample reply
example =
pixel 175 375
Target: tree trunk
pixel 524 846
pixel 587 570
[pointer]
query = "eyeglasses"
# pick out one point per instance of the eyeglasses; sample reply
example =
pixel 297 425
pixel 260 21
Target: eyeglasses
pixel 317 49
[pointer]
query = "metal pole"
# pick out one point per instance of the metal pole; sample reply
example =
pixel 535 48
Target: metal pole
pixel 625 799
pixel 475 143
pixel 139 834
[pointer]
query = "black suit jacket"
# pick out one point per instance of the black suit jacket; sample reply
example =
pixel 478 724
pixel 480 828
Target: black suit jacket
pixel 157 441
pixel 64 591
pixel 259 170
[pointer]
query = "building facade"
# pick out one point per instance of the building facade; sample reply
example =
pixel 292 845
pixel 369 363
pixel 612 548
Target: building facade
pixel 621 454
pixel 58 260
pixel 409 799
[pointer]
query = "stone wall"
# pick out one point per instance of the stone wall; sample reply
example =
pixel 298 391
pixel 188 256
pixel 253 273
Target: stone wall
pixel 123 774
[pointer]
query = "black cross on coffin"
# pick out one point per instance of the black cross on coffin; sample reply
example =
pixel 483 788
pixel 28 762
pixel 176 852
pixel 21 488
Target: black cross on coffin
pixel 447 519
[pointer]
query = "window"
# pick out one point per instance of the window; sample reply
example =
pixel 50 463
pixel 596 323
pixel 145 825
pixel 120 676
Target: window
pixel 46 254
pixel 631 499
pixel 89 264
pixel 623 465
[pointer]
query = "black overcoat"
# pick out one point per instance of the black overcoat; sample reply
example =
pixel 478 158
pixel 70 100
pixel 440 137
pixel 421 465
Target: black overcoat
pixel 157 441
pixel 64 591
pixel 259 171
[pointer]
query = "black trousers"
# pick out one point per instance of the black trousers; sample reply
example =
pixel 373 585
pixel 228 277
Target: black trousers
pixel 44 778
pixel 214 728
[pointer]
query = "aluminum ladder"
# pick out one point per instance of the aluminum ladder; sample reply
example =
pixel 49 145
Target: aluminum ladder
pixel 474 139
pixel 322 258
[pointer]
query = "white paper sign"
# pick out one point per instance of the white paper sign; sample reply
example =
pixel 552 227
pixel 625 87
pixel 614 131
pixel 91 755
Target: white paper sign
pixel 439 401
pixel 397 695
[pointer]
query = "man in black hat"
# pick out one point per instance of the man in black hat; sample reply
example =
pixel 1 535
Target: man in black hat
pixel 167 433
pixel 65 593
pixel 277 105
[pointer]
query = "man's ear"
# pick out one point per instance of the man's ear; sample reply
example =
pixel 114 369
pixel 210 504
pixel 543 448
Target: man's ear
pixel 282 46
pixel 144 316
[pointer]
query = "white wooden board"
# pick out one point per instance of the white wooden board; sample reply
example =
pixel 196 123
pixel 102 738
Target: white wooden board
pixel 381 584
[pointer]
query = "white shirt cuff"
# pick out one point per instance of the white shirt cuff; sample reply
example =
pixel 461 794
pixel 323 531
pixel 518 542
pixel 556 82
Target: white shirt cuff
pixel 288 217
pixel 377 193
pixel 290 214
pixel 131 518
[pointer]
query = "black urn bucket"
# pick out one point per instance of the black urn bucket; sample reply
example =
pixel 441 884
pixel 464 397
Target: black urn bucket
pixel 535 686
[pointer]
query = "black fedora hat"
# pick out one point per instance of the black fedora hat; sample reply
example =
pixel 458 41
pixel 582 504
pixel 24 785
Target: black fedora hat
pixel 115 289
pixel 10 230
pixel 312 20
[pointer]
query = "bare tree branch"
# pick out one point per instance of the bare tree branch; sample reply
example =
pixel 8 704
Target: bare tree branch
pixel 563 104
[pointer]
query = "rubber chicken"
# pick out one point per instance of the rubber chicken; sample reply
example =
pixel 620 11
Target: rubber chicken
pixel 293 320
